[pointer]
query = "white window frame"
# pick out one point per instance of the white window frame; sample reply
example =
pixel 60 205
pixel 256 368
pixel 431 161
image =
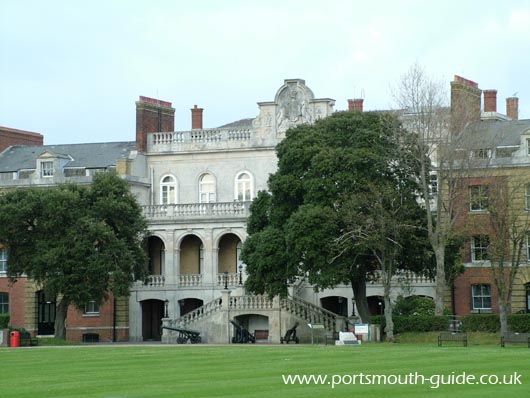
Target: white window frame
pixel 46 169
pixel 242 186
pixel 482 294
pixel 166 188
pixel 3 260
pixel 478 194
pixel 478 245
pixel 207 195
pixel 91 308
pixel 527 197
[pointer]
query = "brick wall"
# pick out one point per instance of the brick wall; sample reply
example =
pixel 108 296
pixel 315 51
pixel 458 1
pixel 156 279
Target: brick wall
pixel 9 136
pixel 16 293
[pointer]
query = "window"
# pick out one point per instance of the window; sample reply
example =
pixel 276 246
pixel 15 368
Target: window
pixel 478 198
pixel 527 197
pixel 527 291
pixel 481 296
pixel 206 189
pixel 3 260
pixel 528 146
pixel 168 190
pixel 244 188
pixel 91 308
pixel 481 153
pixel 434 184
pixel 4 303
pixel 46 169
pixel 479 248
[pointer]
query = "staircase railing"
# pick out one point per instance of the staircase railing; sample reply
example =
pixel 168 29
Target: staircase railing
pixel 197 314
pixel 310 312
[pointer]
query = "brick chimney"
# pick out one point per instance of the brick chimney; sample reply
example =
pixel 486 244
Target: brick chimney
pixel 490 100
pixel 355 104
pixel 152 115
pixel 512 108
pixel 196 118
pixel 465 102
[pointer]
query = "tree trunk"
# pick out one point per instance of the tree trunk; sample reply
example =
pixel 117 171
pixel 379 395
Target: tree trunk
pixel 60 318
pixel 359 293
pixel 439 302
pixel 503 317
pixel 389 327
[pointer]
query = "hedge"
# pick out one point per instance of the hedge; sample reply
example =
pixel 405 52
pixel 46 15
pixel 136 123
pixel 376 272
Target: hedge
pixel 4 321
pixel 414 323
pixel 490 323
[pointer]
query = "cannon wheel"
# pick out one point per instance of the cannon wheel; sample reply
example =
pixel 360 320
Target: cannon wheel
pixel 195 339
pixel 181 340
pixel 297 340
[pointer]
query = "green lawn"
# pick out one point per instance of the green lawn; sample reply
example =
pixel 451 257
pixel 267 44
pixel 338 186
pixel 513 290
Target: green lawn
pixel 252 370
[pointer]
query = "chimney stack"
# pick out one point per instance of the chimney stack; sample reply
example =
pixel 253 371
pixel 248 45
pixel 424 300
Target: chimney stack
pixel 465 102
pixel 490 100
pixel 196 118
pixel 512 108
pixel 152 115
pixel 355 104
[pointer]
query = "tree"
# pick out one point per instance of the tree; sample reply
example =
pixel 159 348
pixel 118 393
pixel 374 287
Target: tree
pixel 508 226
pixel 295 230
pixel 78 243
pixel 425 113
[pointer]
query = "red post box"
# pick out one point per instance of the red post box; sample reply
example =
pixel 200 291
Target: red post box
pixel 14 338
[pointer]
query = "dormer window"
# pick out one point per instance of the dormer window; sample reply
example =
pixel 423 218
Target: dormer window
pixel 46 169
pixel 528 146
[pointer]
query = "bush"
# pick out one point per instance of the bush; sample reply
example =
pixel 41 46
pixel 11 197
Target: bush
pixel 4 321
pixel 413 305
pixel 481 323
pixel 491 323
pixel 519 323
pixel 414 323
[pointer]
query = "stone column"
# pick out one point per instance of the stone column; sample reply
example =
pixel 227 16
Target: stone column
pixel 225 308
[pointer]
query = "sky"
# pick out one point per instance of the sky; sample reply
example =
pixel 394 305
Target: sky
pixel 72 70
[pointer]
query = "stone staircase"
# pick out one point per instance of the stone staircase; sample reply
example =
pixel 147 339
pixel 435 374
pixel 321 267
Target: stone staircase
pixel 212 318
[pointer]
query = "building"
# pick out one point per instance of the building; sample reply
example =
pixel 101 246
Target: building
pixel 45 166
pixel 9 136
pixel 495 184
pixel 195 187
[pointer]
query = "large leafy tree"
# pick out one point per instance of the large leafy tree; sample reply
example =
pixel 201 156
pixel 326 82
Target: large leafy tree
pixel 79 243
pixel 297 229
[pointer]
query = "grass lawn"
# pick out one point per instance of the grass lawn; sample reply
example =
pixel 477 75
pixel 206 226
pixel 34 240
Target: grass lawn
pixel 253 370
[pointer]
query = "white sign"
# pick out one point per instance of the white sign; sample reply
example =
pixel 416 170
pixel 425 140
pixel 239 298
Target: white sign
pixel 361 328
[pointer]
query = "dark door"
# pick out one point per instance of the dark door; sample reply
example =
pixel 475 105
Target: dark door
pixel 45 314
pixel 152 313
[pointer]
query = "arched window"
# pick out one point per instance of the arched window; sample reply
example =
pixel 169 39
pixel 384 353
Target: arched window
pixel 168 190
pixel 206 188
pixel 244 187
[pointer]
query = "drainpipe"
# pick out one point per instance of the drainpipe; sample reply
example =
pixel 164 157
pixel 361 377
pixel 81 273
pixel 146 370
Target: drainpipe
pixel 113 319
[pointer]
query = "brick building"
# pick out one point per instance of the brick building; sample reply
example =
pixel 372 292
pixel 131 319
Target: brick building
pixel 10 136
pixel 494 196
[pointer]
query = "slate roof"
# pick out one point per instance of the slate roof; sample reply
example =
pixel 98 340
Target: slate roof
pixel 96 155
pixel 495 133
pixel 239 124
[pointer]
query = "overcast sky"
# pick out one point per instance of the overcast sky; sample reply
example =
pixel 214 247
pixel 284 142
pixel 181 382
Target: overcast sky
pixel 72 70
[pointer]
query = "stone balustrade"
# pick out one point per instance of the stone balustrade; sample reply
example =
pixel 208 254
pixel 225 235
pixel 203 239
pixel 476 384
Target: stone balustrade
pixel 190 280
pixel 310 312
pixel 232 279
pixel 198 139
pixel 197 211
pixel 152 281
pixel 250 302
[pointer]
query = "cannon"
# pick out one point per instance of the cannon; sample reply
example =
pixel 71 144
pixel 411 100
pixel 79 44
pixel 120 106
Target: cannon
pixel 241 335
pixel 290 335
pixel 184 335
